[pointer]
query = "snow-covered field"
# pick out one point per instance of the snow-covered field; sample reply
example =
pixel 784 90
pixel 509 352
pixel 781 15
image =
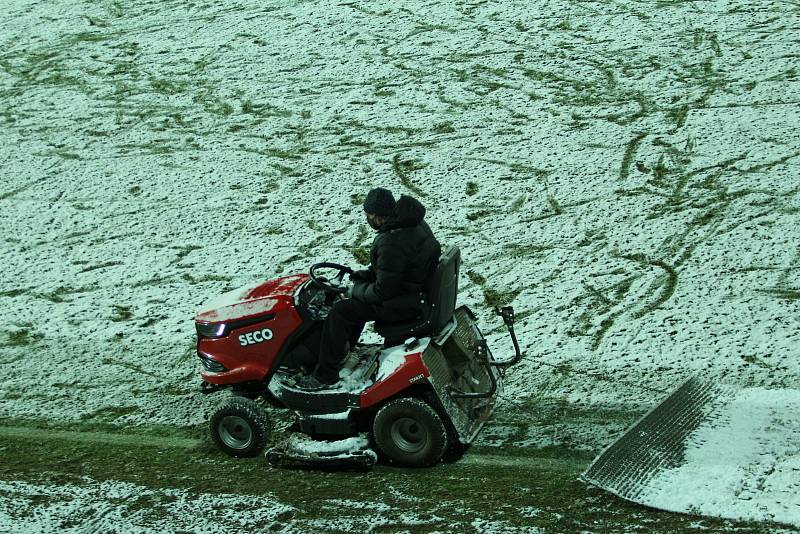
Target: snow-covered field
pixel 625 174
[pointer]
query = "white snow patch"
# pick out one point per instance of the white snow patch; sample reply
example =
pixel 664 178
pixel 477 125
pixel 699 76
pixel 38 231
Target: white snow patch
pixel 745 464
pixel 124 507
pixel 240 310
pixel 334 416
pixel 349 503
pixel 501 527
pixel 353 382
pixel 234 305
pixel 304 444
pixel 228 298
pixel 392 358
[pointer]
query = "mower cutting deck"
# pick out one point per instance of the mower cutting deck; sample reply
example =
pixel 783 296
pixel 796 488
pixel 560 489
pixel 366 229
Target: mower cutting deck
pixel 432 384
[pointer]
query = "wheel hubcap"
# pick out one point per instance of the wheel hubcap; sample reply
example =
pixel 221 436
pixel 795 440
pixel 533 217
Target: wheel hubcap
pixel 409 435
pixel 235 432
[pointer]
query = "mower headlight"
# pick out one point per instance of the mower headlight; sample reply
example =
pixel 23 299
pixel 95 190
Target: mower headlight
pixel 212 330
pixel 210 364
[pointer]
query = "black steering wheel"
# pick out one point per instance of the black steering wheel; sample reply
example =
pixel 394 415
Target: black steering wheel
pixel 322 282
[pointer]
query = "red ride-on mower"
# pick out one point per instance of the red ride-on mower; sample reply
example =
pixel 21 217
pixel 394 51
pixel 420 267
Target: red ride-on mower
pixel 431 385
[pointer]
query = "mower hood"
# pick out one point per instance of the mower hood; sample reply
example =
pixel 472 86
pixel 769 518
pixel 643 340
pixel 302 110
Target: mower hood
pixel 250 301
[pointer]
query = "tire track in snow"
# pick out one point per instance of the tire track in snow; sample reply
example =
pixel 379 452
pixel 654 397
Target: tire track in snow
pixel 479 459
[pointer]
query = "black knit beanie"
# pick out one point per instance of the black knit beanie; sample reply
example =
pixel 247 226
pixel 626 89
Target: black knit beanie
pixel 379 201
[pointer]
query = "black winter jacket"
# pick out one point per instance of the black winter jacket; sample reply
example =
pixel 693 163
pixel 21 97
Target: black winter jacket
pixel 402 256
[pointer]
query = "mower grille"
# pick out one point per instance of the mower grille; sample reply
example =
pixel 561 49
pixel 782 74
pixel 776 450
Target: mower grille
pixel 456 365
pixel 210 364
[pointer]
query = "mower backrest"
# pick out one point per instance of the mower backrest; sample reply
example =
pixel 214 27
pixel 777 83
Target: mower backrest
pixel 442 288
pixel 440 296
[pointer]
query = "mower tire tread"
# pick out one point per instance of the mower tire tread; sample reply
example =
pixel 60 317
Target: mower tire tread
pixel 410 432
pixel 240 427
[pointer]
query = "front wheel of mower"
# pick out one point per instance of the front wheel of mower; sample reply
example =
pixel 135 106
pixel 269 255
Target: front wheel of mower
pixel 410 432
pixel 240 427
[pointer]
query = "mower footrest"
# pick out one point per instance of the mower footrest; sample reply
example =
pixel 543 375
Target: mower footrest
pixel 327 423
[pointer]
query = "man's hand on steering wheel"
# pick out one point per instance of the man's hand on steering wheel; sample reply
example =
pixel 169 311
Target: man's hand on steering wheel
pixel 335 285
pixel 360 276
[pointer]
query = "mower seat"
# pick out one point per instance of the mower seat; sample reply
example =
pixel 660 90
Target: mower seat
pixel 439 302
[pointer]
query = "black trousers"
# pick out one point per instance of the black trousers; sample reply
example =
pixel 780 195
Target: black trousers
pixel 344 325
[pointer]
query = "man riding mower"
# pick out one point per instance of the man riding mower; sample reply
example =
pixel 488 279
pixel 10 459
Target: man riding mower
pixel 431 385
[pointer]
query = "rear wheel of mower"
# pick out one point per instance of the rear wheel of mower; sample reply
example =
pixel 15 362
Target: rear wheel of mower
pixel 409 432
pixel 240 427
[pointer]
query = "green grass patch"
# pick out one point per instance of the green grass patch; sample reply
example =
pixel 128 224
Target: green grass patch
pixel 444 128
pixel 286 171
pixel 517 204
pixel 131 366
pixel 156 147
pixel 100 266
pixel 73 235
pixel 213 104
pixel 184 251
pixel 447 497
pixel 90 425
pixel 476 278
pixel 169 87
pixel 480 214
pixel 781 293
pixel 630 152
pixel 529 170
pixel 13 292
pixel 755 360
pixel 205 278
pixel 121 313
pixel 152 321
pixel 517 168
pixel 554 205
pixel 403 168
pixel 90 37
pixel 361 253
pixel 110 413
pixel 494 297
pixel 154 282
pixel 600 333
pixel 266 110
pixel 60 294
pixel 667 282
pixel 22 338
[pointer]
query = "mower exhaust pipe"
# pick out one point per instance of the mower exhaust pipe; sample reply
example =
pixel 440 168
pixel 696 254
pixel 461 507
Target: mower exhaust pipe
pixel 507 313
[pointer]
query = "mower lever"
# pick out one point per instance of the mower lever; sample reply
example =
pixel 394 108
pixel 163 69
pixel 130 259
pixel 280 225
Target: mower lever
pixel 507 313
pixel 483 351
